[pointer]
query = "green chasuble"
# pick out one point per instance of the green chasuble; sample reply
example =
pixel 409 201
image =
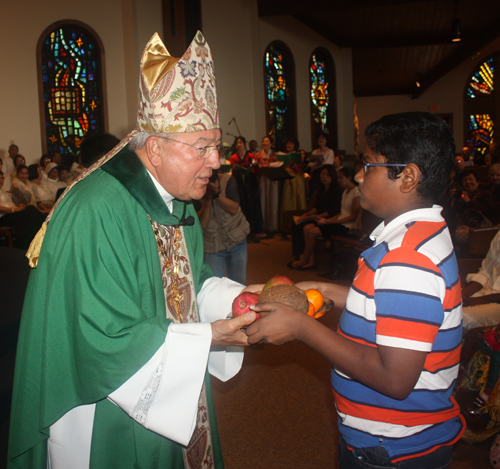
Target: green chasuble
pixel 94 314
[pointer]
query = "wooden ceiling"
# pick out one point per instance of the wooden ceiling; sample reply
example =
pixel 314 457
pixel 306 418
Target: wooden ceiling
pixel 396 44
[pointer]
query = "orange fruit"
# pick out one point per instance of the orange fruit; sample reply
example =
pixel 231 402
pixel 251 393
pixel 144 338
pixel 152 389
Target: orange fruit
pixel 315 297
pixel 311 311
pixel 318 315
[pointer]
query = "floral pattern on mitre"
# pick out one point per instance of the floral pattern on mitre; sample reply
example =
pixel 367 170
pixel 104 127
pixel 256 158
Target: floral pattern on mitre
pixel 185 99
pixel 188 68
pixel 162 88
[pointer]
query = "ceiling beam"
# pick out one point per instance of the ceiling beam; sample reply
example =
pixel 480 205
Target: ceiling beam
pixel 464 53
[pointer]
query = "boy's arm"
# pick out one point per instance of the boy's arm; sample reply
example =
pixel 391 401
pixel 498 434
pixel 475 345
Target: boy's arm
pixel 336 293
pixel 389 370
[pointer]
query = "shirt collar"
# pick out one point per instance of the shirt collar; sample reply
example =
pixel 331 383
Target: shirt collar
pixel 382 231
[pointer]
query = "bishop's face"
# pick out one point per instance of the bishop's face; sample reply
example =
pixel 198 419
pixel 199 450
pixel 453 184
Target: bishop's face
pixel 181 171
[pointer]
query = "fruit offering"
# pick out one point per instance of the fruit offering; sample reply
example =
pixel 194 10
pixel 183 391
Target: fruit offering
pixel 281 289
pixel 316 303
pixel 241 304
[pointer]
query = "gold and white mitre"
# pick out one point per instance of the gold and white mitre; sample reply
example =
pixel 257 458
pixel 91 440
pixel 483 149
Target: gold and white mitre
pixel 177 95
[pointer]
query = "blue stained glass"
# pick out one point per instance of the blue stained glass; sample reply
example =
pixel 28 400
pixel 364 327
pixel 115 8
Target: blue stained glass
pixel 70 55
pixel 278 71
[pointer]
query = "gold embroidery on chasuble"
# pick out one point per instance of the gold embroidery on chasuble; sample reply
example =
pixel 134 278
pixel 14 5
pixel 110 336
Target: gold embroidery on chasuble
pixel 180 299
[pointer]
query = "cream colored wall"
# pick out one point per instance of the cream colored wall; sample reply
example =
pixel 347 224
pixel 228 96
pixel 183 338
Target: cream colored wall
pixel 124 28
pixel 238 39
pixel 236 34
pixel 447 95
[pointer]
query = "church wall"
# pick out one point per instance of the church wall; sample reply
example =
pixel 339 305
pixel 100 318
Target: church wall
pixel 446 96
pixel 236 34
pixel 124 28
pixel 238 39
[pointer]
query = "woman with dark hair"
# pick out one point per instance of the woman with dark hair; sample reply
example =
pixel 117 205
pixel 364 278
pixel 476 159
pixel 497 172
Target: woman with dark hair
pixel 326 201
pixel 248 186
pixel 242 157
pixel 43 195
pixel 338 224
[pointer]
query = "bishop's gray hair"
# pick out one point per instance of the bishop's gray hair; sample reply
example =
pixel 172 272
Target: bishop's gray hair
pixel 139 140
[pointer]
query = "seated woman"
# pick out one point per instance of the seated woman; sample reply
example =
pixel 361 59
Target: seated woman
pixel 336 225
pixel 26 220
pixel 319 157
pixel 53 179
pixel 43 195
pixel 22 190
pixel 481 294
pixel 326 201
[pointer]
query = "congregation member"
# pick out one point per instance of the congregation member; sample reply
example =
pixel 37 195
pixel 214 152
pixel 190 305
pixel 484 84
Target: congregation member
pixel 268 189
pixel 396 353
pixel 122 318
pixel 43 195
pixel 25 220
pixel 294 195
pixel 327 201
pixel 248 184
pixel 21 190
pixel 241 156
pixel 52 179
pixel 336 225
pixel 95 146
pixel 225 228
pixel 8 165
pixel 481 293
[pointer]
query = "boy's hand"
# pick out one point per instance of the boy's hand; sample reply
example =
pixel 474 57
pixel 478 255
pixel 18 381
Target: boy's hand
pixel 282 325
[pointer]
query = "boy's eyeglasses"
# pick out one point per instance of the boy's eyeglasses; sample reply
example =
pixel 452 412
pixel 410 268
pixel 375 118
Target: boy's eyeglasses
pixel 367 165
pixel 205 152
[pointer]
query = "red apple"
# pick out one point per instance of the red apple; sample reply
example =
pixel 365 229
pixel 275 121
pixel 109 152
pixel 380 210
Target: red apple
pixel 278 280
pixel 241 304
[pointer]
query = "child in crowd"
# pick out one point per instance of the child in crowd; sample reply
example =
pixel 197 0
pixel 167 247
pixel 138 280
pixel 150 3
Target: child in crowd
pixel 396 353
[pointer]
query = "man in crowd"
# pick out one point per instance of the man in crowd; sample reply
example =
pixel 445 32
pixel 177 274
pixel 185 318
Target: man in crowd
pixel 121 313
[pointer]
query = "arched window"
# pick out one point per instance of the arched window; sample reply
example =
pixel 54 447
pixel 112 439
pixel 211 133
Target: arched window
pixel 70 60
pixel 323 97
pixel 480 109
pixel 279 75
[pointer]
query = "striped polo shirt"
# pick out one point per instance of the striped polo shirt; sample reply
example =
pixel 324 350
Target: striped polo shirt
pixel 406 294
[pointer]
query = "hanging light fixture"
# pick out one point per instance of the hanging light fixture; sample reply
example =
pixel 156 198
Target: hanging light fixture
pixel 455 26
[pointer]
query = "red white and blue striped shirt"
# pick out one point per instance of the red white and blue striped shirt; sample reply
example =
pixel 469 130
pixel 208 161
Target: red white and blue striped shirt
pixel 406 294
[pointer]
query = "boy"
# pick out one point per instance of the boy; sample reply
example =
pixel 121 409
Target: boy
pixel 396 353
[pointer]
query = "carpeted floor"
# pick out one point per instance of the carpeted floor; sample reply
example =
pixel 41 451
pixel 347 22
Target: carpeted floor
pixel 279 412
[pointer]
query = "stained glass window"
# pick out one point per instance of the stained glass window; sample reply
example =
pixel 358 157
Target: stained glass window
pixel 322 79
pixel 480 131
pixel 480 108
pixel 279 85
pixel 71 77
pixel 481 83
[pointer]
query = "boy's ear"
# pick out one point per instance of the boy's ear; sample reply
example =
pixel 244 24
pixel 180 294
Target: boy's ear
pixel 410 177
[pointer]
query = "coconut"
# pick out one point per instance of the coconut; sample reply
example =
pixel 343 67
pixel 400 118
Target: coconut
pixel 286 294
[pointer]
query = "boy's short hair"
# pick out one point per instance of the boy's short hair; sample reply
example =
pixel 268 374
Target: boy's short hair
pixel 421 138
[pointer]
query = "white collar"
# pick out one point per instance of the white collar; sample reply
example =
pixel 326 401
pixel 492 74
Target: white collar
pixel 382 231
pixel 167 198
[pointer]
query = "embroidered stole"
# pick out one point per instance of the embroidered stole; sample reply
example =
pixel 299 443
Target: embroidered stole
pixel 180 299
